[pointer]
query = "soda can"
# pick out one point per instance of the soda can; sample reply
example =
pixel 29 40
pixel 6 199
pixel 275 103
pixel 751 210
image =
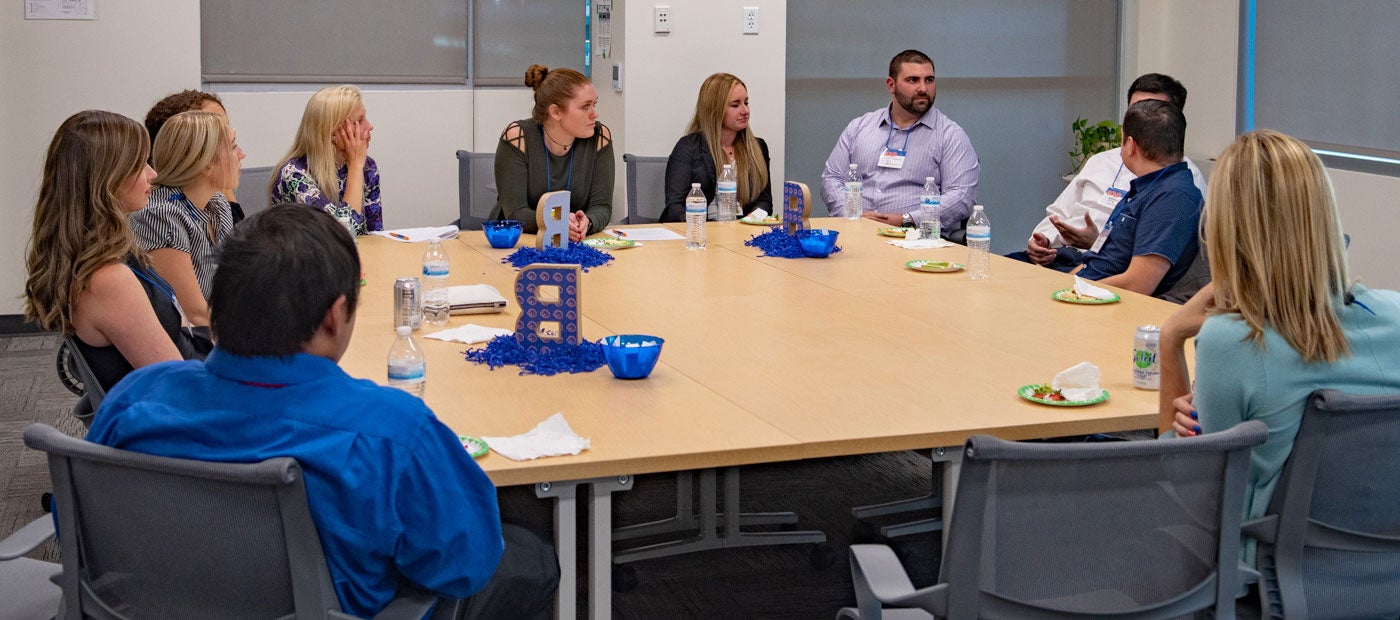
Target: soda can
pixel 1147 375
pixel 408 303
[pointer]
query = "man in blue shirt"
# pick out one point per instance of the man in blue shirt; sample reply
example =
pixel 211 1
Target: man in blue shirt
pixel 1150 239
pixel 394 495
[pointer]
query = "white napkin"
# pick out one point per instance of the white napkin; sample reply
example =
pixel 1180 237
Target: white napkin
pixel 475 299
pixel 1083 288
pixel 418 235
pixel 1079 382
pixel 552 437
pixel 913 234
pixel 757 215
pixel 919 244
pixel 470 333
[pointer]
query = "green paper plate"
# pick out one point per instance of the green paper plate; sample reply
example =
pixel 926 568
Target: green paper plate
pixel 1059 296
pixel 771 221
pixel 475 446
pixel 1027 391
pixel 933 266
pixel 609 243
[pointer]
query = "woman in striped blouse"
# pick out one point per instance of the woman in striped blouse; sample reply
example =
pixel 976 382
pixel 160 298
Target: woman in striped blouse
pixel 186 217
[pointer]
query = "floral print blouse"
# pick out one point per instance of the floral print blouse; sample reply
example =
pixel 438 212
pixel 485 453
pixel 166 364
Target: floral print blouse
pixel 294 184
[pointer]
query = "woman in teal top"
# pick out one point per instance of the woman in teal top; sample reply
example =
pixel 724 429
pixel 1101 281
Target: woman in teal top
pixel 1282 316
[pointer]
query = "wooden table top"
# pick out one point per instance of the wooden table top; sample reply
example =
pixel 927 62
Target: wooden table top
pixel 770 359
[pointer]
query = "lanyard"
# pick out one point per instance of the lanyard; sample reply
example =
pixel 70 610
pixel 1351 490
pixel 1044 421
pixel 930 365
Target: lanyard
pixel 549 179
pixel 890 137
pixel 210 223
pixel 1124 203
pixel 161 285
pixel 1114 183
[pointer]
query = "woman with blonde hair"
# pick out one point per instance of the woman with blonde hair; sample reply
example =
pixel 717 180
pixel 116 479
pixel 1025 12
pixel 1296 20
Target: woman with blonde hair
pixel 187 215
pixel 1282 316
pixel 328 166
pixel 562 146
pixel 87 276
pixel 719 134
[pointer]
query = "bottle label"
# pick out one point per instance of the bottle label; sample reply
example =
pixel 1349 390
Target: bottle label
pixel 727 186
pixel 408 373
pixel 695 206
pixel 435 271
pixel 979 233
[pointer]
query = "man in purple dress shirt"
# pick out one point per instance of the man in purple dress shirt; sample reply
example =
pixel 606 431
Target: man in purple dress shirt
pixel 897 146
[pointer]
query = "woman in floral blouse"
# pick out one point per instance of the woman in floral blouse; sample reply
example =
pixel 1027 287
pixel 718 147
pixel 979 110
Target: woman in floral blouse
pixel 328 166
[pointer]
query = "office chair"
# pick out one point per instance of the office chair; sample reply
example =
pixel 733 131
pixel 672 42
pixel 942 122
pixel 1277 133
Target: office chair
pixel 476 188
pixel 646 188
pixel 253 196
pixel 1139 529
pixel 1329 545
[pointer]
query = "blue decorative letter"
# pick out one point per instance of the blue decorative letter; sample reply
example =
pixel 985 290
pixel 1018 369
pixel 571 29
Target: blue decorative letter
pixel 797 206
pixel 549 306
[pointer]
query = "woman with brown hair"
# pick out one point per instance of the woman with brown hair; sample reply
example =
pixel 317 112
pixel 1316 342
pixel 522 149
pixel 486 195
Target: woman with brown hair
pixel 1282 316
pixel 562 146
pixel 719 134
pixel 87 276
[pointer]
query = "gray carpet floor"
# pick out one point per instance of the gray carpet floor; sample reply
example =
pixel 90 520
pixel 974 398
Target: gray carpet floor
pixel 766 582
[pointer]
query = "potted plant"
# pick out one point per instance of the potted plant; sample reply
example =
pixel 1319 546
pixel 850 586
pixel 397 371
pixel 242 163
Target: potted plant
pixel 1090 140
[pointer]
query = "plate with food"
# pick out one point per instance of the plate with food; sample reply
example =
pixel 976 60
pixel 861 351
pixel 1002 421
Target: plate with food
pixel 893 231
pixel 609 243
pixel 933 266
pixel 767 221
pixel 1044 394
pixel 475 446
pixel 1068 296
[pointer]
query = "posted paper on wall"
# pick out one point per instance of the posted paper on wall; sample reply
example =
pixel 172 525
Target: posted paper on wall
pixel 60 9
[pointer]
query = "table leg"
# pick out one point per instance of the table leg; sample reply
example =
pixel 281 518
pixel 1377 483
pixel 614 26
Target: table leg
pixel 952 464
pixel 565 496
pixel 600 544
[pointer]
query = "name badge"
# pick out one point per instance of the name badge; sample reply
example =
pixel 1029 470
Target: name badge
pixel 1112 196
pixel 892 158
pixel 1103 236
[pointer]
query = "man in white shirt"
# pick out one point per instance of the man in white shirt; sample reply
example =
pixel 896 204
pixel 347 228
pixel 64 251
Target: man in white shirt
pixel 1073 221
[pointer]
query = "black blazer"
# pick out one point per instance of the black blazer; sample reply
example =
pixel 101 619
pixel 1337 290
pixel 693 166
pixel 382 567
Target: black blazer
pixel 690 162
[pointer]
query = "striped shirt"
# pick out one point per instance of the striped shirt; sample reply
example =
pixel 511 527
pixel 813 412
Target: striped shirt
pixel 934 146
pixel 170 221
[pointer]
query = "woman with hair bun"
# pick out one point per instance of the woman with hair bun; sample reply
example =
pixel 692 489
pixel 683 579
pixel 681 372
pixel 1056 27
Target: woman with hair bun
pixel 719 134
pixel 562 146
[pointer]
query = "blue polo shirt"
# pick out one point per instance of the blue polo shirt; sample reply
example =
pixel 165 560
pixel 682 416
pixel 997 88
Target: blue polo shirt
pixel 1159 215
pixel 393 493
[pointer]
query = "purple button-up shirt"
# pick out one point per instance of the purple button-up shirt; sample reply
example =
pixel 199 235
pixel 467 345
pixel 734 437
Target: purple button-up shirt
pixel 936 147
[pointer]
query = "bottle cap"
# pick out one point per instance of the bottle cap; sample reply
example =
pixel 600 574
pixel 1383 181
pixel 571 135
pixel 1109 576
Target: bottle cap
pixel 694 185
pixel 976 207
pixel 853 166
pixel 403 330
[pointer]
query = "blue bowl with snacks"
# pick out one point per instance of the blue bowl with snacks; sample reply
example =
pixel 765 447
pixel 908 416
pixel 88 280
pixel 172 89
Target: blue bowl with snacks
pixel 816 243
pixel 502 233
pixel 631 356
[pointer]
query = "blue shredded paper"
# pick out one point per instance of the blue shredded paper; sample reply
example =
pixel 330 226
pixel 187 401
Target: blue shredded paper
pixel 504 350
pixel 577 253
pixel 777 243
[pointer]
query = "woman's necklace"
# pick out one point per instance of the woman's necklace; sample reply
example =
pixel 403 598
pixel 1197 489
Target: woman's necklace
pixel 564 145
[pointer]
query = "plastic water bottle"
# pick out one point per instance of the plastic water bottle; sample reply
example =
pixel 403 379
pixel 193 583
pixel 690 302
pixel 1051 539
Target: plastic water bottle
pixel 930 210
pixel 695 208
pixel 979 244
pixel 408 370
pixel 435 268
pixel 727 189
pixel 853 205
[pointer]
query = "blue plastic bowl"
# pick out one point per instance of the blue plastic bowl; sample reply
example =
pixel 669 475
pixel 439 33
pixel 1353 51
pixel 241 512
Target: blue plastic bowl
pixel 631 356
pixel 817 243
pixel 502 233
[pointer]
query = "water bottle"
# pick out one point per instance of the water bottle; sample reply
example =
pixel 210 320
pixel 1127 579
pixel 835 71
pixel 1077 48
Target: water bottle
pixel 727 188
pixel 408 370
pixel 853 205
pixel 930 210
pixel 979 244
pixel 695 208
pixel 435 268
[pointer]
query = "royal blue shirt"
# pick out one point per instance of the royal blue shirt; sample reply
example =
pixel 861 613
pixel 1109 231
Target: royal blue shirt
pixel 393 493
pixel 1159 215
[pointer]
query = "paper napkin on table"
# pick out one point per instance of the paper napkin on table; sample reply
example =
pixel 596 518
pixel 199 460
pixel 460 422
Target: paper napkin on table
pixel 474 299
pixel 1079 382
pixel 919 244
pixel 1084 289
pixel 552 437
pixel 417 235
pixel 469 334
pixel 756 215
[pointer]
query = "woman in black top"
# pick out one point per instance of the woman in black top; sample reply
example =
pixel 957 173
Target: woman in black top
pixel 718 134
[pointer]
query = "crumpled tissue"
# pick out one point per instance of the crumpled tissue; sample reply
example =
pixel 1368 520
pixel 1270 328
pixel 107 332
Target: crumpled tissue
pixel 552 437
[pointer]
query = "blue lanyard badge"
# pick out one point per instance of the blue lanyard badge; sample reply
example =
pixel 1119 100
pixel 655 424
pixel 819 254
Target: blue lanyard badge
pixel 891 157
pixel 1114 194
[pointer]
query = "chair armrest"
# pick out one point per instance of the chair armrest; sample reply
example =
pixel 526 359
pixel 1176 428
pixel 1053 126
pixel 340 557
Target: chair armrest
pixel 1264 529
pixel 409 604
pixel 27 538
pixel 1248 575
pixel 881 571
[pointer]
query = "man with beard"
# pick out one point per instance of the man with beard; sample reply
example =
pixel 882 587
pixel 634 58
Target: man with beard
pixel 896 147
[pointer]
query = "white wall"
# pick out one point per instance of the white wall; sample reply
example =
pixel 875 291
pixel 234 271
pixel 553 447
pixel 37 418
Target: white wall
pixel 1197 42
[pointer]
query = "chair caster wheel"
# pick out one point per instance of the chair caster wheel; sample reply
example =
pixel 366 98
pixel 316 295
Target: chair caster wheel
pixel 822 556
pixel 624 578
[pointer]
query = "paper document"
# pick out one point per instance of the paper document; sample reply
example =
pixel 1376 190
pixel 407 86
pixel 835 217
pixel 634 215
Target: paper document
pixel 419 235
pixel 649 233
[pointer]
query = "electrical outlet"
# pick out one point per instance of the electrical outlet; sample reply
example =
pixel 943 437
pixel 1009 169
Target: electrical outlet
pixel 661 18
pixel 750 20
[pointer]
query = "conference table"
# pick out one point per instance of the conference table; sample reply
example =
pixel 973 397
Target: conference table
pixel 765 359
